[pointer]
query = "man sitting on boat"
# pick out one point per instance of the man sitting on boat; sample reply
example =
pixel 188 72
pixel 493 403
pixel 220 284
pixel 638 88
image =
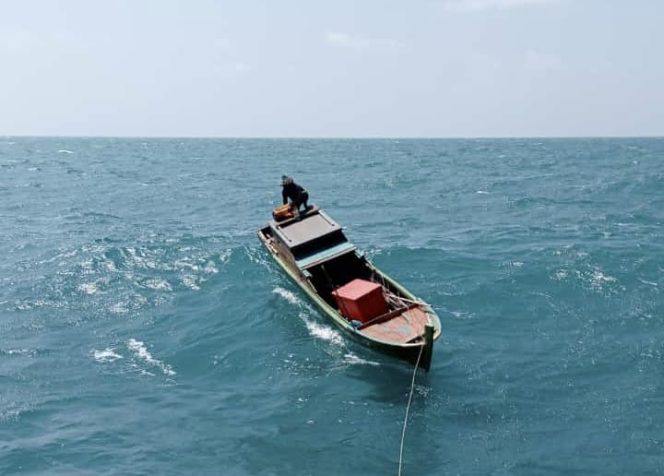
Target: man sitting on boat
pixel 297 195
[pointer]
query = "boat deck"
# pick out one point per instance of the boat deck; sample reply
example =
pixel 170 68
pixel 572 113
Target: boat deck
pixel 402 328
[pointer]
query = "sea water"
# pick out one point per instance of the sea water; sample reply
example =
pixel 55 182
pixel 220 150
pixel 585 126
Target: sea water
pixel 143 329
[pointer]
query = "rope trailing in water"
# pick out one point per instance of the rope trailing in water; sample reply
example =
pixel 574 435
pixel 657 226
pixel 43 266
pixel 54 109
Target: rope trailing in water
pixel 410 399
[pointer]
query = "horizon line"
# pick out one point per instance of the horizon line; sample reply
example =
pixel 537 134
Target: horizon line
pixel 193 137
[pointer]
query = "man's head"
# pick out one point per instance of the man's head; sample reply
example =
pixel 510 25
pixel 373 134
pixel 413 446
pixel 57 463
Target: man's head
pixel 286 180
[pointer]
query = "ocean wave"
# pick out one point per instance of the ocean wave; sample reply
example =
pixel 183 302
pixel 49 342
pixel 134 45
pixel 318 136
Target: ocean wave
pixel 101 277
pixel 106 355
pixel 141 351
pixel 157 284
pixel 130 284
pixel 598 279
pixel 649 283
pixel 23 352
pixel 191 281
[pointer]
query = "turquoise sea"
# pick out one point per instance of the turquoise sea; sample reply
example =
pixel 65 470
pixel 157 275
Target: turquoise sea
pixel 144 331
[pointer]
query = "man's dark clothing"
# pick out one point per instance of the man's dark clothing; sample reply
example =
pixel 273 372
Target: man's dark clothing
pixel 297 195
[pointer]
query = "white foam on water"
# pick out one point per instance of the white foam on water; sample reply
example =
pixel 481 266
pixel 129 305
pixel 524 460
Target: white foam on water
pixel 482 192
pixel 28 305
pixel 158 284
pixel 119 308
pixel 110 265
pixel 87 266
pixel 184 264
pixel 12 411
pixel 561 274
pixel 315 329
pixel 599 278
pixel 27 352
pixel 353 359
pixel 258 259
pixel 323 332
pixel 64 151
pixel 650 283
pixel 190 281
pixel 88 288
pixel 106 355
pixel 423 390
pixel 224 256
pixel 143 259
pixel 142 352
pixel 210 268
pixel 462 315
pixel 287 295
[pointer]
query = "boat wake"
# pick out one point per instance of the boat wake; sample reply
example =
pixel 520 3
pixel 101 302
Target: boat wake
pixel 316 329
pixel 288 296
pixel 353 359
pixel 322 331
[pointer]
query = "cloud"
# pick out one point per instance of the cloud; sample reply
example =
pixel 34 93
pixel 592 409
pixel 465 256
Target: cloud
pixel 228 63
pixel 17 41
pixel 240 68
pixel 344 40
pixel 231 70
pixel 222 44
pixel 539 61
pixel 480 5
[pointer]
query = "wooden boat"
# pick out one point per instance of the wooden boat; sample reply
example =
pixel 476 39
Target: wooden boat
pixel 316 254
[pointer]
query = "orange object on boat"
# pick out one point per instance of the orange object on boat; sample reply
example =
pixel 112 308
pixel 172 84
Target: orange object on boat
pixel 361 300
pixel 282 213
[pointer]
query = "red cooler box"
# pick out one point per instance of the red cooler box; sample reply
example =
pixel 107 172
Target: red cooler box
pixel 361 300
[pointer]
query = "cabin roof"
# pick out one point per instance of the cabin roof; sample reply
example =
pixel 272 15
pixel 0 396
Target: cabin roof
pixel 309 228
pixel 324 255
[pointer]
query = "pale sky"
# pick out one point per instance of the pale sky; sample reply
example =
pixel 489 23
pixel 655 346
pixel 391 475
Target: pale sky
pixel 341 68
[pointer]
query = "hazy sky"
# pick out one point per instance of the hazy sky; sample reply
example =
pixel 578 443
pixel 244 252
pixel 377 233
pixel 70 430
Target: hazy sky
pixel 342 68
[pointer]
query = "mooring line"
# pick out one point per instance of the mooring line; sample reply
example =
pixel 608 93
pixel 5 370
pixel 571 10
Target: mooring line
pixel 410 399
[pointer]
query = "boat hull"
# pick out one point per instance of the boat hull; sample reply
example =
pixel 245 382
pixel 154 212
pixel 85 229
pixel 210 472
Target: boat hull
pixel 419 353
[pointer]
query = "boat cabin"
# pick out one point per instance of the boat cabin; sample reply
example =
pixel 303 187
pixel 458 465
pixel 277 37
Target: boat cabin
pixel 313 239
pixel 321 251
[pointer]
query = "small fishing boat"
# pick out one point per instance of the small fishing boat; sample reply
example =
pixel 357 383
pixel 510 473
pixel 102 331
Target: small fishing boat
pixel 359 298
